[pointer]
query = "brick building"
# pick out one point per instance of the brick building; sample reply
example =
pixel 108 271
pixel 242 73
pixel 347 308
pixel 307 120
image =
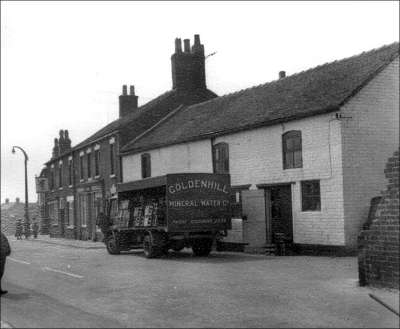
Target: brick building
pixel 11 211
pixel 305 152
pixel 81 177
pixel 379 262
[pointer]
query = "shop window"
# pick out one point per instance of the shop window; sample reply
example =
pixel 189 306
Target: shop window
pixel 81 167
pixel 221 158
pixel 112 156
pixel 292 150
pixel 310 196
pixel 97 162
pixel 146 165
pixel 83 209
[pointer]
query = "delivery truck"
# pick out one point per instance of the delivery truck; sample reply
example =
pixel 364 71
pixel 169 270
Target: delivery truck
pixel 173 211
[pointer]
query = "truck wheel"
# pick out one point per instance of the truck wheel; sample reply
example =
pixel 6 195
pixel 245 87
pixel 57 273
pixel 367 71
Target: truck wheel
pixel 202 247
pixel 112 245
pixel 150 251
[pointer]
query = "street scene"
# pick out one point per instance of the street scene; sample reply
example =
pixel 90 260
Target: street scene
pixel 161 171
pixel 55 285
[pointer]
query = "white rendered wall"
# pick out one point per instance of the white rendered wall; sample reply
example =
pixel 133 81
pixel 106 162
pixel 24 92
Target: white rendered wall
pixel 370 137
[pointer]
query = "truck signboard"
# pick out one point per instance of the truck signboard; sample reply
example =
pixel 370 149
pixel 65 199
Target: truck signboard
pixel 198 200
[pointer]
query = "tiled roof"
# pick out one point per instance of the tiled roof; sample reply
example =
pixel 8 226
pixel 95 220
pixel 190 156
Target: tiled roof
pixel 318 90
pixel 144 117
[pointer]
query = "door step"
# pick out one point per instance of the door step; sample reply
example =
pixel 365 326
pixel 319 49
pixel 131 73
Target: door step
pixel 270 249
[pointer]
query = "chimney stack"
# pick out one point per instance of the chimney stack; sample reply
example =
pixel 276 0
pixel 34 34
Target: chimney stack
pixel 188 67
pixel 127 103
pixel 7 200
pixel 282 74
pixel 17 200
pixel 56 149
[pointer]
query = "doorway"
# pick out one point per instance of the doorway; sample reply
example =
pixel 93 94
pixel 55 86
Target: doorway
pixel 279 217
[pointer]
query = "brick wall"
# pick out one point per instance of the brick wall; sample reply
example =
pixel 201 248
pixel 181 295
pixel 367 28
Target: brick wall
pixel 370 134
pixel 379 245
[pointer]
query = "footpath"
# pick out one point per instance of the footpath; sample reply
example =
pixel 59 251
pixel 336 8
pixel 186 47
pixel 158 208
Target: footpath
pixel 65 242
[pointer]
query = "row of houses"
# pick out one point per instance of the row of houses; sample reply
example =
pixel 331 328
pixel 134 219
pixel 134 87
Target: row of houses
pixel 305 152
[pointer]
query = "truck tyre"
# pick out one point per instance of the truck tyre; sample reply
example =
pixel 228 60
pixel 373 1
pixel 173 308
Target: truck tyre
pixel 202 247
pixel 112 245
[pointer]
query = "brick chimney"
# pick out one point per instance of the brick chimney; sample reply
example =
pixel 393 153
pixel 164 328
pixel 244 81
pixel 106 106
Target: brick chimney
pixel 67 141
pixel 7 200
pixel 127 103
pixel 17 200
pixel 282 74
pixel 188 67
pixel 56 149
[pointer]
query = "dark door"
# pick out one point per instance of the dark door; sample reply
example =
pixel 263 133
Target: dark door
pixel 281 211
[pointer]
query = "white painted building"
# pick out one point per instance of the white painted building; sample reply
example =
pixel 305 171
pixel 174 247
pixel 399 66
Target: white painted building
pixel 305 152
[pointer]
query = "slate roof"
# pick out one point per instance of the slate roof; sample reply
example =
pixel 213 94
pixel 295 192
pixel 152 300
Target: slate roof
pixel 322 89
pixel 145 116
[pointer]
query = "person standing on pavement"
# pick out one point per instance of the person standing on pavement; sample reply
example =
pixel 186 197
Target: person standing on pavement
pixel 4 252
pixel 18 229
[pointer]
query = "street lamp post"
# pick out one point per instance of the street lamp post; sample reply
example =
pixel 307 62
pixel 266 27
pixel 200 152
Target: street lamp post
pixel 26 185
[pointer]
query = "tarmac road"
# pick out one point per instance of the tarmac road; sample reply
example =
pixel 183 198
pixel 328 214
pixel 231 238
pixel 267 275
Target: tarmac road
pixel 60 286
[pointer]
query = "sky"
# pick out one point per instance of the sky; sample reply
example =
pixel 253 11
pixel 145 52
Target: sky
pixel 63 64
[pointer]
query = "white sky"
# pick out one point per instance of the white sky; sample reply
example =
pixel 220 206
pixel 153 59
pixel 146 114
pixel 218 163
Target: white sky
pixel 63 63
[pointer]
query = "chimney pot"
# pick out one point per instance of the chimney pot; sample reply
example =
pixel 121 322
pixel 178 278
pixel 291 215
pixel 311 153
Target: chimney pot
pixel 132 90
pixel 124 90
pixel 178 45
pixel 186 43
pixel 282 74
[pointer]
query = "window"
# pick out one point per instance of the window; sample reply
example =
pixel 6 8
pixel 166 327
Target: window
pixel 112 159
pixel 82 175
pixel 53 212
pixel 69 213
pixel 89 165
pixel 221 158
pixel 291 145
pixel 60 176
pixel 70 172
pixel 146 165
pixel 51 179
pixel 83 209
pixel 310 196
pixel 97 162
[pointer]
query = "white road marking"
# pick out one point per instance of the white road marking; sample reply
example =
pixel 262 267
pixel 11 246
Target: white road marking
pixel 62 272
pixel 18 261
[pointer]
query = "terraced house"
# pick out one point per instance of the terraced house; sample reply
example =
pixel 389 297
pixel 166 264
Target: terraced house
pixel 81 177
pixel 305 152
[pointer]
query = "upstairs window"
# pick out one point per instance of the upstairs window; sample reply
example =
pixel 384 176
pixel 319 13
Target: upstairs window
pixel 70 173
pixel 81 168
pixel 51 179
pixel 112 156
pixel 60 175
pixel 310 196
pixel 97 162
pixel 221 158
pixel 146 165
pixel 89 165
pixel 291 145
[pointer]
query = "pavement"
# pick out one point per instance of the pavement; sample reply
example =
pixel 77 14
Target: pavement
pixel 67 283
pixel 67 242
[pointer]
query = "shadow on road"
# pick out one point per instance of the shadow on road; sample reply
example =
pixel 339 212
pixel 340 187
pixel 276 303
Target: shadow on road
pixel 17 297
pixel 213 258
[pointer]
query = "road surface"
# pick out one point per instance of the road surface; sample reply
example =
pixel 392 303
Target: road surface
pixel 60 286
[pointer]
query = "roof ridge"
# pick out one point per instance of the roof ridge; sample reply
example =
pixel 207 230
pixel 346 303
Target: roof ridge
pixel 296 74
pixel 162 120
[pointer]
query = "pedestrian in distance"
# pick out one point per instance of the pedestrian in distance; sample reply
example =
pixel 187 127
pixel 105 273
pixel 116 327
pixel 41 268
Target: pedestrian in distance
pixel 4 252
pixel 18 229
pixel 27 230
pixel 35 228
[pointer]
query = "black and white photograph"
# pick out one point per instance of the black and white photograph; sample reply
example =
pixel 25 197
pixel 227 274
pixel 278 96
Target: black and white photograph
pixel 200 164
